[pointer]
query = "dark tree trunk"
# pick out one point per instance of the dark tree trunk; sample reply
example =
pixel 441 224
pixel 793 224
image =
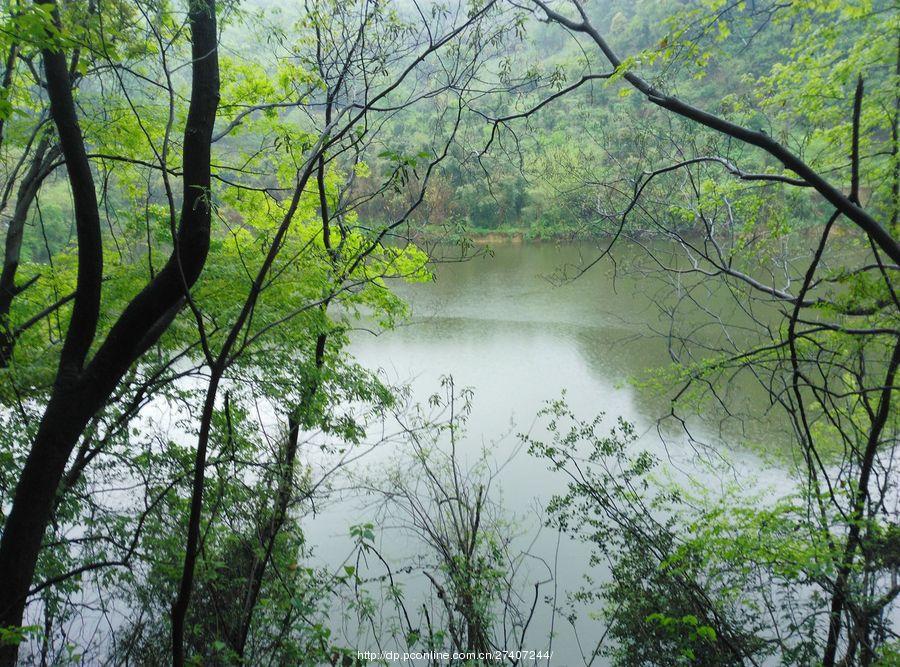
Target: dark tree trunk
pixel 80 390
pixel 285 493
pixel 6 83
pixel 840 594
pixel 44 155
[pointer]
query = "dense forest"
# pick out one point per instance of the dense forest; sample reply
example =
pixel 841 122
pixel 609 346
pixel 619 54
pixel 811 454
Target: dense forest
pixel 223 223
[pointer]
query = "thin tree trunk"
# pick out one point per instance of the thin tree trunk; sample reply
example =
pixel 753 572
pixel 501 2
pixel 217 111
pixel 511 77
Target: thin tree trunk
pixel 283 498
pixel 839 597
pixel 6 84
pixel 44 154
pixel 198 484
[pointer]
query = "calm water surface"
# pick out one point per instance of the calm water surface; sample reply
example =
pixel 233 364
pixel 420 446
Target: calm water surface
pixel 499 326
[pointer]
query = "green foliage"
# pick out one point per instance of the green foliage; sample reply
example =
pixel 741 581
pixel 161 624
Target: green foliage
pixel 695 578
pixel 290 359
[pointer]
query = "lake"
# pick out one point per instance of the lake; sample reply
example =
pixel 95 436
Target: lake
pixel 501 325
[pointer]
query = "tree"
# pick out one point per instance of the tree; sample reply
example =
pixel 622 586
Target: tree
pixel 81 386
pixel 480 600
pixel 287 250
pixel 825 349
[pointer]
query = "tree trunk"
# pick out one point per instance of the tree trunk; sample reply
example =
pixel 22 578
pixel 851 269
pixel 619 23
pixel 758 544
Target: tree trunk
pixel 857 516
pixel 81 391
pixel 44 154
